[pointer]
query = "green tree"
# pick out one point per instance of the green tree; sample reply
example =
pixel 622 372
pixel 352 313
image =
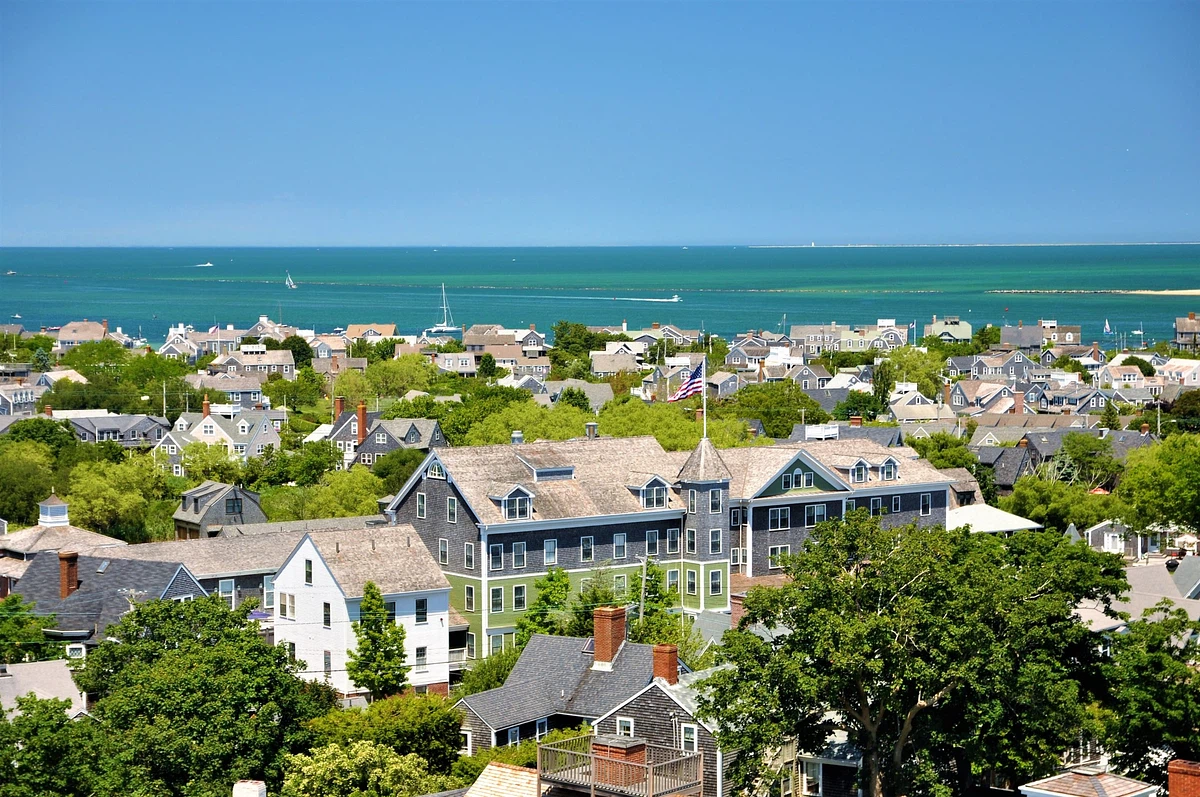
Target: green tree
pixel 944 450
pixel 716 348
pixel 864 405
pixel 44 752
pixel 597 590
pixel 192 699
pixel 21 637
pixel 354 386
pixel 96 358
pixel 910 364
pixel 1056 505
pixel 424 725
pixel 1086 459
pixel 1186 412
pixel 396 466
pixel 360 769
pixel 986 337
pixel 311 462
pixel 488 673
pixel 1161 484
pixel 1142 365
pixel 377 662
pixel 26 471
pixel 385 349
pixel 202 461
pixel 302 352
pixel 41 360
pixel 397 377
pixel 1153 707
pixel 575 397
pixel 779 405
pixel 487 368
pixel 560 422
pixel 661 622
pixel 525 754
pixel 549 613
pixel 912 642
pixel 56 435
pixel 1110 418
pixel 346 493
pixel 884 381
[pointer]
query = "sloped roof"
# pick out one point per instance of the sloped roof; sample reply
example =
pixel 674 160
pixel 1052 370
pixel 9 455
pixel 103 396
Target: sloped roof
pixel 987 519
pixel 704 465
pixel 54 538
pixel 1090 784
pixel 45 679
pixel 318 524
pixel 391 556
pixel 214 557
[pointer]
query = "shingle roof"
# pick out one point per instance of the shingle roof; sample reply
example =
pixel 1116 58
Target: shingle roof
pixel 554 676
pixel 54 538
pixel 1086 784
pixel 704 465
pixel 214 557
pixel 45 679
pixel 391 556
pixel 318 524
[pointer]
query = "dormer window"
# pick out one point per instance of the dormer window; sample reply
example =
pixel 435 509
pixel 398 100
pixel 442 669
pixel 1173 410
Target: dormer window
pixel 381 437
pixel 181 425
pixel 654 495
pixel 858 473
pixel 517 506
pixel 354 428
pixel 243 427
pixel 888 471
pixel 436 471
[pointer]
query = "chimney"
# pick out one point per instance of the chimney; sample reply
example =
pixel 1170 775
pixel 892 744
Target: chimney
pixel 856 420
pixel 533 327
pixel 68 573
pixel 250 788
pixel 204 407
pixel 339 406
pixel 655 325
pixel 1095 350
pixel 609 634
pixel 624 325
pixel 737 610
pixel 935 319
pixel 1018 402
pixel 699 414
pixel 666 663
pixel 593 430
pixel 1145 430
pixel 1191 316
pixel 1020 324
pixel 362 421
pixel 104 324
pixel 1183 778
pixel 49 411
pixel 333 365
pixel 946 394
pixel 1023 443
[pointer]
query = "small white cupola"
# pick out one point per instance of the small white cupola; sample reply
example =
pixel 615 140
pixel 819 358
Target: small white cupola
pixel 53 511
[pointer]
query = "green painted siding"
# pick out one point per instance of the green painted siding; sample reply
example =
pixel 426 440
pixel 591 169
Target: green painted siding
pixel 820 484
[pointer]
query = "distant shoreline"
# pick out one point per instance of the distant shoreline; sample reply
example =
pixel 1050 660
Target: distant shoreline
pixel 608 246
pixel 1177 292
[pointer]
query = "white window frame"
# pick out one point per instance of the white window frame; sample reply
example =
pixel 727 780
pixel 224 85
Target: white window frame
pixel 550 552
pixel 620 584
pixel 587 549
pixel 435 471
pixel 451 510
pixel 620 546
pixel 715 582
pixel 518 555
pixel 692 582
pixel 496 557
pixel 469 555
pixel 716 503
pixel 714 540
pixel 786 481
pixel 654 496
pixel 625 726
pixel 673 579
pixel 806 478
pixel 895 504
pixel 684 741
pixel 773 554
pixel 888 471
pixel 495 644
pixel 269 591
pixel 691 502
pixel 876 506
pixel 381 438
pixel 519 598
pixel 814 514
pixel 497 592
pixel 421 506
pixel 226 594
pixel 652 542
pixel 541 728
pixel 779 518
pixel 672 537
pixel 514 734
pixel 443 551
pixel 926 504
pixel 469 597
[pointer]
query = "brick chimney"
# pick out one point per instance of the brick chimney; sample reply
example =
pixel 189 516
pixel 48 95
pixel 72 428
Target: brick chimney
pixel 620 761
pixel 533 327
pixel 104 325
pixel 1018 402
pixel 1095 350
pixel 1191 316
pixel 362 421
pixel 1023 443
pixel 1145 430
pixel 1183 778
pixel 946 394
pixel 333 364
pixel 737 609
pixel 655 325
pixel 49 411
pixel 609 633
pixel 1020 324
pixel 339 406
pixel 666 663
pixel 856 420
pixel 204 407
pixel 68 573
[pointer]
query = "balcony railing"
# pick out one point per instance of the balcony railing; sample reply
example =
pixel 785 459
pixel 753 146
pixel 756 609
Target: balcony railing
pixel 621 766
pixel 458 659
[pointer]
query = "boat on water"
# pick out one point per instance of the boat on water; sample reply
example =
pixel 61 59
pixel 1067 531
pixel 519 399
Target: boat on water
pixel 447 326
pixel 672 300
pixel 204 265
pixel 16 315
pixel 10 273
pixel 289 281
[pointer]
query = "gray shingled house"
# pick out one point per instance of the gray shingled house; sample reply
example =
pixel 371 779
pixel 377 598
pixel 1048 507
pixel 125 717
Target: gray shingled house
pixel 204 509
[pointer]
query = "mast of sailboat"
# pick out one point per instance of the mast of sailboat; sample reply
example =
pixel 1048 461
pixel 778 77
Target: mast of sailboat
pixel 446 318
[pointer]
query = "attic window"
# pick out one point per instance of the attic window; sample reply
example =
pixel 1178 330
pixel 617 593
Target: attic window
pixel 888 471
pixel 436 471
pixel 654 495
pixel 858 473
pixel 243 427
pixel 517 507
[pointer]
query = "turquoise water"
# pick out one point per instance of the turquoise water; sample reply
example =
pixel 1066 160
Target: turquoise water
pixel 723 289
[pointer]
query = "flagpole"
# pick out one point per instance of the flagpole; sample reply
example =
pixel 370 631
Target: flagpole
pixel 704 393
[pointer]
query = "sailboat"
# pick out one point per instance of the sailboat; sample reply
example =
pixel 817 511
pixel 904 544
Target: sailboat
pixel 447 326
pixel 289 282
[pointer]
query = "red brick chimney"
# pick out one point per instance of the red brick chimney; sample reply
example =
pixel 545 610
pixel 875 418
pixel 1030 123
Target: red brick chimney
pixel 1018 402
pixel 339 406
pixel 333 364
pixel 68 573
pixel 533 327
pixel 104 324
pixel 856 420
pixel 666 663
pixel 1020 324
pixel 204 406
pixel 1183 778
pixel 1145 428
pixel 609 633
pixel 49 411
pixel 946 394
pixel 362 421
pixel 737 609
pixel 1023 443
pixel 1191 316
pixel 1095 350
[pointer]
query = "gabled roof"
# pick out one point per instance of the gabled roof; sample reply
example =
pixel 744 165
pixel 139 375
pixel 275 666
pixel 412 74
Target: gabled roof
pixel 1089 784
pixel 358 330
pixel 54 538
pixel 45 679
pixel 554 675
pixel 394 557
pixel 215 557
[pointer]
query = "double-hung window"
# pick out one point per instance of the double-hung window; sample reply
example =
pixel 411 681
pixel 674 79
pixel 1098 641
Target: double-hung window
pixel 775 552
pixel 469 555
pixel 420 506
pixel 714 541
pixel 779 517
pixel 691 582
pixel 688 738
pixel 714 502
pixel 516 507
pixel 690 541
pixel 858 473
pixel 692 501
pixel 889 470
pixel 786 481
pixel 514 734
pixel 451 510
pixel 673 580
pixel 550 552
pixel 326 615
pixel 422 611
pixel 735 517
pixel 495 557
pixel 876 506
pixel 469 598
pixel 518 553
pixel 812 779
pixel 714 582
pixel 619 547
pixel 541 728
pixel 926 504
pixel 624 726
pixel 225 590
pixel 672 541
pixel 587 550
pixel 443 551
pixel 421 659
pixel 895 504
pixel 268 592
pixel 814 514
pixel 518 597
pixel 654 497
pixel 233 506
pixel 497 600
pixel 652 542
pixel 804 479
pixel 308 572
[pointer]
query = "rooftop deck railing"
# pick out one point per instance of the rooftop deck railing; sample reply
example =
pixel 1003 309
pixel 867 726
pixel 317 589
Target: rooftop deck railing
pixel 621 766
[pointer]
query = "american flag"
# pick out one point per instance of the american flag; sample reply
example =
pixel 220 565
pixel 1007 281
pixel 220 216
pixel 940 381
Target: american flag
pixel 213 329
pixel 691 386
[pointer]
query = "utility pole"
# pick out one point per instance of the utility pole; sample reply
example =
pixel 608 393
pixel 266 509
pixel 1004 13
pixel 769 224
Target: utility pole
pixel 642 602
pixel 165 396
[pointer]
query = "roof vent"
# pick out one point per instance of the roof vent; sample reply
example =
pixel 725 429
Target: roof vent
pixel 1172 565
pixel 518 437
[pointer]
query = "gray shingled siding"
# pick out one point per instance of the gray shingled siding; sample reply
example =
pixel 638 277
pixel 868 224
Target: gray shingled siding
pixel 794 537
pixel 704 522
pixel 435 526
pixel 181 585
pixel 838 781
pixel 244 587
pixel 569 554
pixel 481 734
pixel 910 509
pixel 656 718
pixel 528 730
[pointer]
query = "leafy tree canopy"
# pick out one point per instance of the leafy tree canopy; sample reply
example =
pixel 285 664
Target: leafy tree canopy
pixel 488 673
pixel 1161 484
pixel 21 637
pixel 424 725
pixel 779 405
pixel 377 663
pixel 944 450
pixel 360 769
pixel 1056 505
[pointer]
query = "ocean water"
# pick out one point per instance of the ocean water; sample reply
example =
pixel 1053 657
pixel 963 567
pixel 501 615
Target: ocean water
pixel 723 289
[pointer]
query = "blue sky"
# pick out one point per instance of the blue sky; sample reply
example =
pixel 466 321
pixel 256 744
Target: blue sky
pixel 259 123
